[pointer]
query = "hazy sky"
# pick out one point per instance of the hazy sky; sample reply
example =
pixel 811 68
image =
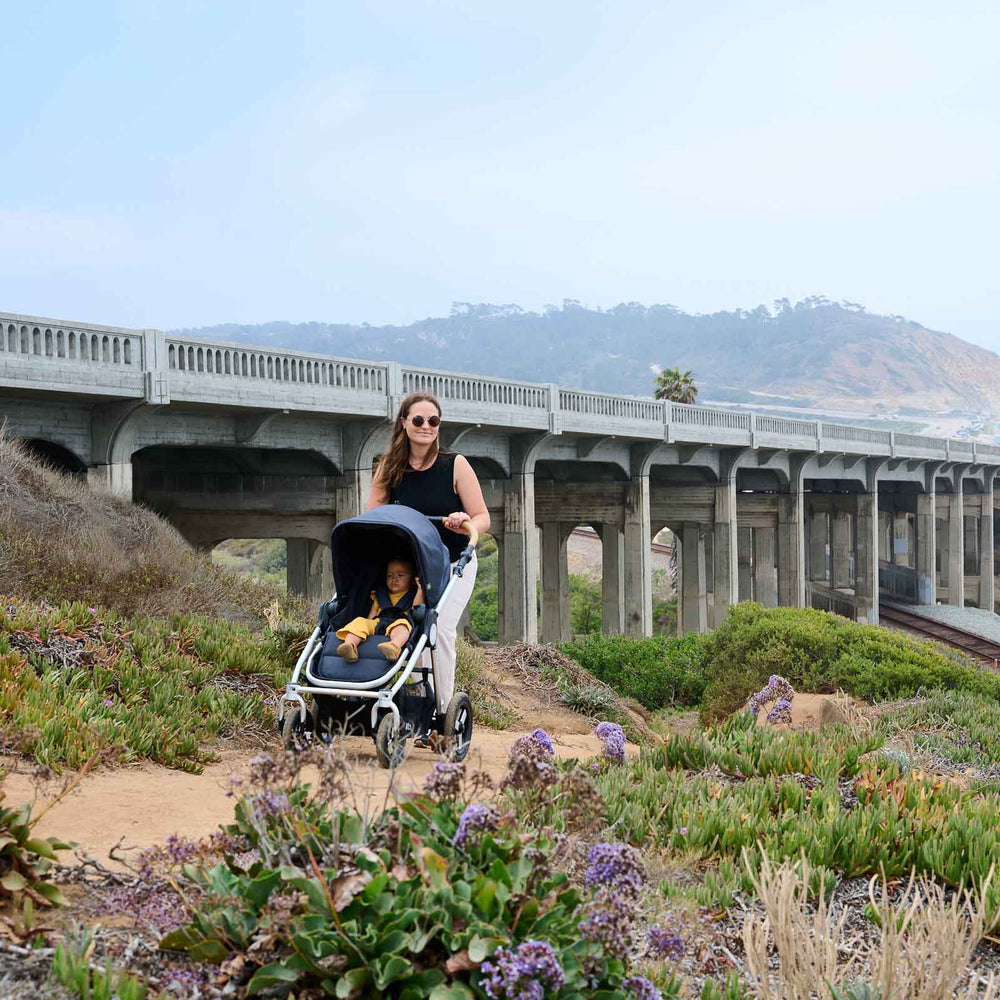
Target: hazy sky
pixel 175 162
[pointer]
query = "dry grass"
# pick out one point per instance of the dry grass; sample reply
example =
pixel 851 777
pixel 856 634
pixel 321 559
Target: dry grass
pixel 924 951
pixel 64 540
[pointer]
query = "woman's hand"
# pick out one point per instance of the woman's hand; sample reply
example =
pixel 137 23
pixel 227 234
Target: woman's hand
pixel 456 521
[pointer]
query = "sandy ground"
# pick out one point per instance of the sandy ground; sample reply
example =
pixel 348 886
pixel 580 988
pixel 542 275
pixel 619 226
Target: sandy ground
pixel 147 803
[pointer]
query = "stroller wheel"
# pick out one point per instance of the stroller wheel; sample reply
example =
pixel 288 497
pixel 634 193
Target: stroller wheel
pixel 458 726
pixel 293 732
pixel 390 743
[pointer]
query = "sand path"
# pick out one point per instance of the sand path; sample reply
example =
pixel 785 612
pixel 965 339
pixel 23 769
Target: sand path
pixel 146 803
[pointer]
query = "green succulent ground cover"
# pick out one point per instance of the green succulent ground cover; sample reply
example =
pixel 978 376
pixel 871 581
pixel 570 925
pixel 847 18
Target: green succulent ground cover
pixel 77 681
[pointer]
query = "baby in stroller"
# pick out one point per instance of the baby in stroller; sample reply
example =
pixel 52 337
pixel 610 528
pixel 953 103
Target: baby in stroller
pixel 389 615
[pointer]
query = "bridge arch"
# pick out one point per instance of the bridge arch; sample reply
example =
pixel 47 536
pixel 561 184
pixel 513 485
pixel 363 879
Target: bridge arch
pixel 57 456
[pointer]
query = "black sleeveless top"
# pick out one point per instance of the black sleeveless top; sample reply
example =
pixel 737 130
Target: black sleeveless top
pixel 432 492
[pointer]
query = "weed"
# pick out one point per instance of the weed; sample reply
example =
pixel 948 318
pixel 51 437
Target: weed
pixel 71 967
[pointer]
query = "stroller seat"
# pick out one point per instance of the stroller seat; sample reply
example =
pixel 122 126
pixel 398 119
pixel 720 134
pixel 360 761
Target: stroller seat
pixel 370 666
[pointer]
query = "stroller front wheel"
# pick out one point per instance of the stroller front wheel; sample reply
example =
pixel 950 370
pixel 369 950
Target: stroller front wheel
pixel 458 726
pixel 390 743
pixel 292 730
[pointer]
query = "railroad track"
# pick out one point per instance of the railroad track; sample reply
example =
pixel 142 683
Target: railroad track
pixel 983 650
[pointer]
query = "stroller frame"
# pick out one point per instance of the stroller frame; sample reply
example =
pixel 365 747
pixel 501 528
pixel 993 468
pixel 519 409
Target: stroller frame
pixel 382 696
pixel 381 691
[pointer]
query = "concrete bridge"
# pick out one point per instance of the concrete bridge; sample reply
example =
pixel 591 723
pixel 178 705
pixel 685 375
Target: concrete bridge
pixel 229 441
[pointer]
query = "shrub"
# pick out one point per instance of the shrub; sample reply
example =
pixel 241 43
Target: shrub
pixel 470 676
pixel 655 672
pixel 821 652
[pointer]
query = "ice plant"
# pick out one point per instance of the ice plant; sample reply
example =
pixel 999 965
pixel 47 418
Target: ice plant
pixel 523 974
pixel 613 737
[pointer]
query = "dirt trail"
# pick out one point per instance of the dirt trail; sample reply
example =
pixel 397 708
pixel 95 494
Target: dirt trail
pixel 147 803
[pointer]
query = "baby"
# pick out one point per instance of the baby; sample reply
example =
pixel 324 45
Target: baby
pixel 389 615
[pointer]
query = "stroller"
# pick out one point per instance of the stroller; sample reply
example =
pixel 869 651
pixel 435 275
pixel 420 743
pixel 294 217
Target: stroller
pixel 387 701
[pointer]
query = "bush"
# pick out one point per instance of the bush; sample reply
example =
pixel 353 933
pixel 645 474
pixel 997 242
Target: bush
pixel 585 605
pixel 655 672
pixel 821 652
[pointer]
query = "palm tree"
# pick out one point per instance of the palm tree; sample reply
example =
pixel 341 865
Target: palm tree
pixel 675 385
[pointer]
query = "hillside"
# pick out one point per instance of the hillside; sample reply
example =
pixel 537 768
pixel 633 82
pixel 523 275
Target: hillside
pixel 813 353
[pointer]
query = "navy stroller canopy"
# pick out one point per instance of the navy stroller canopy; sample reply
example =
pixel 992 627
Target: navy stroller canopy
pixel 362 545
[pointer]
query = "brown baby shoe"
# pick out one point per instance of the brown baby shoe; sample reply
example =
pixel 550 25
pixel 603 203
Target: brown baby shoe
pixel 348 651
pixel 390 651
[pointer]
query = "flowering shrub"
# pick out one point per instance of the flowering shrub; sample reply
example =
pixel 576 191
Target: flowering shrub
pixel 782 711
pixel 613 737
pixel 430 898
pixel 778 690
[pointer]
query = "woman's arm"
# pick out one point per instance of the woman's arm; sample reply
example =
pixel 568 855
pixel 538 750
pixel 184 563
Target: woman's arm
pixel 471 494
pixel 378 495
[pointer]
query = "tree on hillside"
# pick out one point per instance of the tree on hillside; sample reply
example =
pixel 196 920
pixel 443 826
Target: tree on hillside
pixel 675 385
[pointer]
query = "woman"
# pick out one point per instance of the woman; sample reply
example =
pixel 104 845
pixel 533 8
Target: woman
pixel 413 471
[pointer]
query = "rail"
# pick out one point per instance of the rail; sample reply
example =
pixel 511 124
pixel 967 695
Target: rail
pixel 475 389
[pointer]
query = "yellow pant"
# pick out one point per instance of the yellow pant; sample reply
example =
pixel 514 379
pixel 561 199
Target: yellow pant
pixel 364 627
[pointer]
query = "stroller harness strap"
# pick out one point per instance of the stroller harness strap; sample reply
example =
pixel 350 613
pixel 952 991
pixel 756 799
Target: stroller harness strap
pixel 389 613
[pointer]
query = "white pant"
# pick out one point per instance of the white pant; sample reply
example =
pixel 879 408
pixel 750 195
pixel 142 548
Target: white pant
pixel 447 633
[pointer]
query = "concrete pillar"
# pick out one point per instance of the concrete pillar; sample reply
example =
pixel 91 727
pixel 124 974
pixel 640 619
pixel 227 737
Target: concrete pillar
pixel 819 530
pixel 765 570
pixel 117 478
pixel 791 549
pixel 744 542
pixel 612 579
pixel 987 585
pixel 555 582
pixel 956 547
pixel 352 492
pixel 726 580
pixel 638 561
pixel 841 544
pixel 866 586
pixel 518 563
pixel 308 570
pixel 694 605
pixel 926 548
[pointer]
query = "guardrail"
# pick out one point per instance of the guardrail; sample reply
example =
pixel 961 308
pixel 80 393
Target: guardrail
pixel 53 340
pixel 306 377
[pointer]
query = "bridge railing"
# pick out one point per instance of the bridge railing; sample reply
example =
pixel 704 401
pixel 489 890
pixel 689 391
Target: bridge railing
pixel 126 362
pixel 36 339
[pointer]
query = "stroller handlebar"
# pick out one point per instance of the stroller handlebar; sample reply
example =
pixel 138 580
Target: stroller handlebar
pixel 472 531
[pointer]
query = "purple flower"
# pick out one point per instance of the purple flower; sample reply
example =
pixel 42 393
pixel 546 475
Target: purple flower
pixel 782 711
pixel 596 767
pixel 617 867
pixel 607 921
pixel 664 943
pixel 613 737
pixel 522 974
pixel 475 819
pixel 445 781
pixel 109 702
pixel 684 831
pixel 776 689
pixel 641 988
pixel 92 611
pixel 537 744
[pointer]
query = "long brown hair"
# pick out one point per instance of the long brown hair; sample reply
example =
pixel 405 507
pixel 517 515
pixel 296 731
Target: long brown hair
pixel 396 457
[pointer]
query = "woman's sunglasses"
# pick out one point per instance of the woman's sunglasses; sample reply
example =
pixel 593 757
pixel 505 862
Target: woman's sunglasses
pixel 418 420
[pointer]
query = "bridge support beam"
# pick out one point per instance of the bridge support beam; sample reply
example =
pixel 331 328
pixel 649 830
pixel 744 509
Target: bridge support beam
pixel 518 562
pixel 612 579
pixel 927 547
pixel 692 585
pixel 956 544
pixel 744 544
pixel 309 568
pixel 638 559
pixel 819 526
pixel 840 546
pixel 791 549
pixel 116 477
pixel 765 569
pixel 866 587
pixel 987 584
pixel 555 582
